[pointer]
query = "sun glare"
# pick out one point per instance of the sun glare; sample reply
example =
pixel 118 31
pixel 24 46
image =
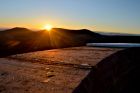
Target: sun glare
pixel 48 27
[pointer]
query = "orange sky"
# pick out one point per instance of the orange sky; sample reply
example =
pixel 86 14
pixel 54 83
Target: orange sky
pixel 121 16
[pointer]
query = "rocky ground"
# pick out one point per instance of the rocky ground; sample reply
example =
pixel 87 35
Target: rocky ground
pixel 50 71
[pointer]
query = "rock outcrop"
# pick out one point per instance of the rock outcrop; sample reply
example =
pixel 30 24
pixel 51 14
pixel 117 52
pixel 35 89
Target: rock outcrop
pixel 118 73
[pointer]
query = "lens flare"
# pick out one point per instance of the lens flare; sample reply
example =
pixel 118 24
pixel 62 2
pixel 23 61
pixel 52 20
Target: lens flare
pixel 48 27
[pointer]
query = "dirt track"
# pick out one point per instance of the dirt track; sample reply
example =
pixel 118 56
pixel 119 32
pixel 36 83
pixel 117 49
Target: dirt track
pixel 50 71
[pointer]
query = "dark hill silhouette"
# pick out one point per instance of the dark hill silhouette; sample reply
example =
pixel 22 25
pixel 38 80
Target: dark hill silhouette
pixel 120 39
pixel 19 40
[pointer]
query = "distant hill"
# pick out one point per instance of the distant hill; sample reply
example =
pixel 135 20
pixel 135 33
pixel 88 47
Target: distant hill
pixel 118 38
pixel 115 33
pixel 19 40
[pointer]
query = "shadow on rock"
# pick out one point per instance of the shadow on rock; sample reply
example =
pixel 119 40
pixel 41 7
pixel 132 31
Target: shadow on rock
pixel 118 73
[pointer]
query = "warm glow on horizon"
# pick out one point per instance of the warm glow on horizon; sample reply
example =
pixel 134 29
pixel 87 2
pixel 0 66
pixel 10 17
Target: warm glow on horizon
pixel 106 16
pixel 48 27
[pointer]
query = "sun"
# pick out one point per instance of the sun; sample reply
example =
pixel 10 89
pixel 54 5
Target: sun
pixel 48 27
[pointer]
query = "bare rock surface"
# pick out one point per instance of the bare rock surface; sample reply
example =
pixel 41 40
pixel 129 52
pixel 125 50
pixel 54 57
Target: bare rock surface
pixel 118 73
pixel 50 71
pixel 67 56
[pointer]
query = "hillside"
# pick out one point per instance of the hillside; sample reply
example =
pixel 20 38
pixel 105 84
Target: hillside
pixel 18 40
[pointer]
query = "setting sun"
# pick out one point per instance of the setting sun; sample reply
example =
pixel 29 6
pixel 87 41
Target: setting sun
pixel 48 27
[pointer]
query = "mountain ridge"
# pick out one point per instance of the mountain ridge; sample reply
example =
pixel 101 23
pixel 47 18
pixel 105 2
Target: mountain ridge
pixel 20 40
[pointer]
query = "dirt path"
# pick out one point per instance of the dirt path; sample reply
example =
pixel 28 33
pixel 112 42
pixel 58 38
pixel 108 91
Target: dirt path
pixel 52 71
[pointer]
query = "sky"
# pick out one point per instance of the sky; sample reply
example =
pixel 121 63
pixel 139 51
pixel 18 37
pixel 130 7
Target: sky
pixel 121 16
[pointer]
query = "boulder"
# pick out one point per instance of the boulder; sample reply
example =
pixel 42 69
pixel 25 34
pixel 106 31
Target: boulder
pixel 118 73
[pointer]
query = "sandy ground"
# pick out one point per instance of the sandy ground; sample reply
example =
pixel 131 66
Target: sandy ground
pixel 50 71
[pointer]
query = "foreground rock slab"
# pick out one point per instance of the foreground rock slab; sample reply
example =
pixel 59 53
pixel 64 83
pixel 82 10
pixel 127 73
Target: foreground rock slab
pixel 118 73
pixel 50 71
